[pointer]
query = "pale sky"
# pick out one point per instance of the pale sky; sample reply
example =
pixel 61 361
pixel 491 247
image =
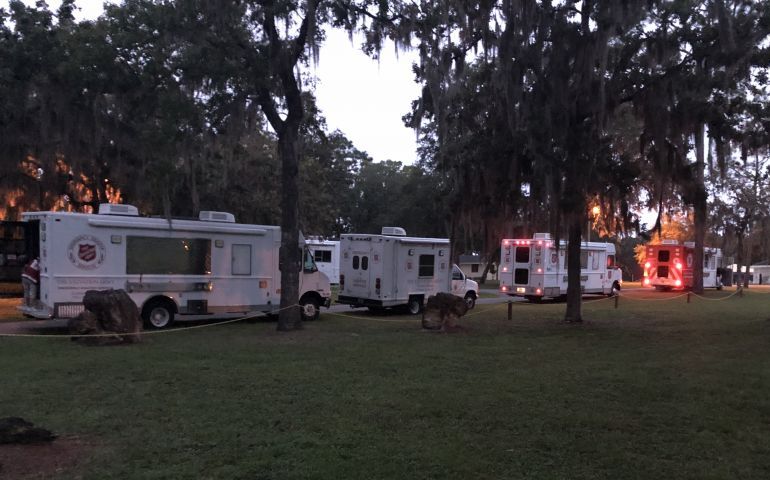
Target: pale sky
pixel 358 96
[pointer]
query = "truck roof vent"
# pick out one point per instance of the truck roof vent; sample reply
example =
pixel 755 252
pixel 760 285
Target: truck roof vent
pixel 118 209
pixel 542 236
pixel 207 216
pixel 668 241
pixel 394 231
pixel 689 244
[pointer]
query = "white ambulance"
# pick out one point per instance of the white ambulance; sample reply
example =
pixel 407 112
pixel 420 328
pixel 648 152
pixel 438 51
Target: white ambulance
pixel 173 269
pixel 393 270
pixel 326 254
pixel 534 268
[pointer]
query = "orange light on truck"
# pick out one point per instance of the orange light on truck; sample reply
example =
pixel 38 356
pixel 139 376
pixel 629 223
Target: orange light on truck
pixel 678 283
pixel 646 281
pixel 678 265
pixel 647 264
pixel 504 288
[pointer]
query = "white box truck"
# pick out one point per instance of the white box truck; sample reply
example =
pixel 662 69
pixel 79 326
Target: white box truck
pixel 393 270
pixel 172 269
pixel 534 268
pixel 326 254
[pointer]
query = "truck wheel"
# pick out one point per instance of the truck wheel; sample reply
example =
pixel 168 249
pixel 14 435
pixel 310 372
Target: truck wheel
pixel 414 306
pixel 158 314
pixel 309 309
pixel 470 300
pixel 615 290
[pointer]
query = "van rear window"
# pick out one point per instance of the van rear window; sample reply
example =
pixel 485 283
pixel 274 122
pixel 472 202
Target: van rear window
pixel 168 256
pixel 663 255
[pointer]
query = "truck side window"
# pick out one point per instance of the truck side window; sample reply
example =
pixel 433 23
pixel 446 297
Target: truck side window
pixel 457 274
pixel 364 263
pixel 309 265
pixel 323 256
pixel 584 260
pixel 355 262
pixel 426 266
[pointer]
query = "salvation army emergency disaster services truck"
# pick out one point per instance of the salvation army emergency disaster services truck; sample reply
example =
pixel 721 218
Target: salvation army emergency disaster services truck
pixel 393 270
pixel 534 268
pixel 670 265
pixel 172 269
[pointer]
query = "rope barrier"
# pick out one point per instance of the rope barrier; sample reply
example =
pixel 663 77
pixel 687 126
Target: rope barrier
pixel 145 332
pixel 737 292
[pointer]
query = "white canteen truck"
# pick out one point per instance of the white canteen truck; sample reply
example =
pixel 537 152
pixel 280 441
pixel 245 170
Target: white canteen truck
pixel 393 270
pixel 172 269
pixel 534 268
pixel 326 254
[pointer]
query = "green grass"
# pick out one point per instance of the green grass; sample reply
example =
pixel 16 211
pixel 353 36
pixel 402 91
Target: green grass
pixel 654 389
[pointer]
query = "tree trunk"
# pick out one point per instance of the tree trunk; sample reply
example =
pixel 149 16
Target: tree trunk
pixel 700 212
pixel 574 290
pixel 290 254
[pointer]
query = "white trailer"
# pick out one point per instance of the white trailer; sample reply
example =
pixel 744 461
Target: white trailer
pixel 392 270
pixel 172 269
pixel 534 268
pixel 326 254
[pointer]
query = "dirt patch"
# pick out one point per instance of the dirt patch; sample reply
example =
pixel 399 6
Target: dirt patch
pixel 28 462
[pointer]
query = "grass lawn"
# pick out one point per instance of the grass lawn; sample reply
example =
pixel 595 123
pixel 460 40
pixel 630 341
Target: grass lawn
pixel 654 389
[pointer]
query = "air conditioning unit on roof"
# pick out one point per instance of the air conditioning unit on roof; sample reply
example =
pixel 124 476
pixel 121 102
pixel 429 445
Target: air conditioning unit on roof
pixel 208 216
pixel 118 209
pixel 394 231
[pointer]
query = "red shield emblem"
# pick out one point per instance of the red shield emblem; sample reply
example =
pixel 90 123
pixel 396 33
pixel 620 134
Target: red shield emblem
pixel 86 252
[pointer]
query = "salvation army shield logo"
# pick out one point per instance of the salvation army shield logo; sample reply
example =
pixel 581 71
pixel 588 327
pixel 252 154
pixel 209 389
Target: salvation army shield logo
pixel 86 252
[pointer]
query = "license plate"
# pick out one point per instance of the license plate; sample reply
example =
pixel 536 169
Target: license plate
pixel 521 290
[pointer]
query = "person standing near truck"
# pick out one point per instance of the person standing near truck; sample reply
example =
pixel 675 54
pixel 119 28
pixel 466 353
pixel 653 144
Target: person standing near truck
pixel 30 278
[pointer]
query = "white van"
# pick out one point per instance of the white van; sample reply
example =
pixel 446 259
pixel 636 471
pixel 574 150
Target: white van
pixel 534 268
pixel 326 254
pixel 391 270
pixel 172 269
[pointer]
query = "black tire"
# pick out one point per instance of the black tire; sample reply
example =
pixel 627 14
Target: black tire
pixel 309 309
pixel 414 306
pixel 158 314
pixel 615 290
pixel 470 300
